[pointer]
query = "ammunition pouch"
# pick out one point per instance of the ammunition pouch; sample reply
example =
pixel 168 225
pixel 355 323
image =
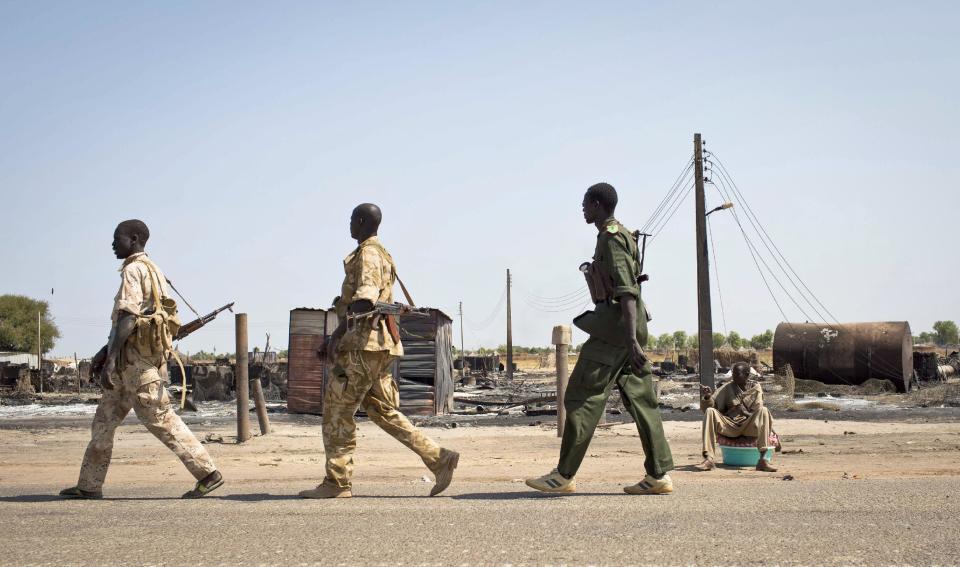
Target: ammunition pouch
pixel 155 330
pixel 598 282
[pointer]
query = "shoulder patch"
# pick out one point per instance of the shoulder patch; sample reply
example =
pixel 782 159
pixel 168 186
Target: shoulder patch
pixel 612 228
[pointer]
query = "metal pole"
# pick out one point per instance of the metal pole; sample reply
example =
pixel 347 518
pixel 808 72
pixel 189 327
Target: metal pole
pixel 242 378
pixel 705 327
pixel 509 331
pixel 562 336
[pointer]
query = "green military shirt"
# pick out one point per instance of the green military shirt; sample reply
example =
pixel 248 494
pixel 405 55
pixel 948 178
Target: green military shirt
pixel 616 257
pixel 616 254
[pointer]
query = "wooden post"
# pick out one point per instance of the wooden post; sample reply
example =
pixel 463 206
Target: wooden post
pixel 261 405
pixel 242 378
pixel 39 354
pixel 562 336
pixel 76 363
pixel 705 326
pixel 463 362
pixel 509 331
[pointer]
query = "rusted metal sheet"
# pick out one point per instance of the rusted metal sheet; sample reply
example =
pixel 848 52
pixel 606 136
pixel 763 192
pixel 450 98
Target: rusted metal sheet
pixel 307 371
pixel 848 353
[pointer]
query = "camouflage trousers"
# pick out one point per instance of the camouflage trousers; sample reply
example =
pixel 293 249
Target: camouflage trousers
pixel 363 379
pixel 142 390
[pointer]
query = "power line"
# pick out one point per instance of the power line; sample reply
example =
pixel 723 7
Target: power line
pixel 670 193
pixel 494 313
pixel 716 274
pixel 724 179
pixel 762 230
pixel 759 257
pixel 666 220
pixel 578 293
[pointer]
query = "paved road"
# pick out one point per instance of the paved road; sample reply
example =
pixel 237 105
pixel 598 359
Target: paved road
pixel 751 521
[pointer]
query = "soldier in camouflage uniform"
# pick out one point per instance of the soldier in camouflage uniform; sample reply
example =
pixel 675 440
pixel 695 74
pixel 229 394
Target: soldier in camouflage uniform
pixel 611 356
pixel 363 355
pixel 129 369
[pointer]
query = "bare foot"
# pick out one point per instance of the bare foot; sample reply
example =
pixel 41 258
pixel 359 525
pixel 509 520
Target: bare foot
pixel 707 464
pixel 765 466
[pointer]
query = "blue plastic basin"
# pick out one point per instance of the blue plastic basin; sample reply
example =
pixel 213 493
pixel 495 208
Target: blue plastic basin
pixel 743 456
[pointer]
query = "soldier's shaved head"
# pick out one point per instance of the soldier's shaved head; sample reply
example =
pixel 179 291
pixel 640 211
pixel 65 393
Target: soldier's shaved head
pixel 604 194
pixel 365 221
pixel 599 202
pixel 130 237
pixel 370 212
pixel 135 227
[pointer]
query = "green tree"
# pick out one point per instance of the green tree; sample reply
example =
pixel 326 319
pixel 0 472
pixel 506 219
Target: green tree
pixel 679 339
pixel 762 341
pixel 719 339
pixel 664 342
pixel 734 340
pixel 925 337
pixel 18 324
pixel 947 333
pixel 693 340
pixel 651 342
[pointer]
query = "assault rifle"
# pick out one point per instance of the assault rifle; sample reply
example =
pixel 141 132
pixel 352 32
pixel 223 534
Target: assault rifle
pixel 391 309
pixel 390 312
pixel 192 326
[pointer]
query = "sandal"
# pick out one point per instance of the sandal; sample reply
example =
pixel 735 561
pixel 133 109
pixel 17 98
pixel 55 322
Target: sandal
pixel 209 483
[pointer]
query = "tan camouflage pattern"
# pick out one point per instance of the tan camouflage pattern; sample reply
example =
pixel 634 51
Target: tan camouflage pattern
pixel 142 390
pixel 135 296
pixel 362 378
pixel 369 273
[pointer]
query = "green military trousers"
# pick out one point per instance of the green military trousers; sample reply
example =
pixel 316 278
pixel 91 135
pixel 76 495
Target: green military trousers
pixel 599 367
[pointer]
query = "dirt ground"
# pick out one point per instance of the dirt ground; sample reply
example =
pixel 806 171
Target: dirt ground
pixel 48 453
pixel 863 492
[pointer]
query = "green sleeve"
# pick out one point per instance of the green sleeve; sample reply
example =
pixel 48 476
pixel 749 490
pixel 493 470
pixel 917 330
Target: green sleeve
pixel 623 266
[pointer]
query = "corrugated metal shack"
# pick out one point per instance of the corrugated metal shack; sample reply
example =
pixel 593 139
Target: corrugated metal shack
pixel 307 371
pixel 424 374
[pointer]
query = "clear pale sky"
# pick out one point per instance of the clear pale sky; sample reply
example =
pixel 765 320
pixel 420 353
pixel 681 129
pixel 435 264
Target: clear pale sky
pixel 244 134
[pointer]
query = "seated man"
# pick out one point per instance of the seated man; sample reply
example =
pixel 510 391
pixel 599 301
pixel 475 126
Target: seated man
pixel 736 410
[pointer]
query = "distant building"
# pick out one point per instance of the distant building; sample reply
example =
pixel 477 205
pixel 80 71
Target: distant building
pixel 19 358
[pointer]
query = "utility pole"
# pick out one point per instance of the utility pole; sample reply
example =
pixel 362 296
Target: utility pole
pixel 39 354
pixel 705 326
pixel 463 361
pixel 509 331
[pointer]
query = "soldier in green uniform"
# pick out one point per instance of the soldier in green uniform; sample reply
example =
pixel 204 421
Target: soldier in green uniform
pixel 611 356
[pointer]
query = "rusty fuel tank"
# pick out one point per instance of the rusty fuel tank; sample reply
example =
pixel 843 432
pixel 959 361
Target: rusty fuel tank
pixel 848 353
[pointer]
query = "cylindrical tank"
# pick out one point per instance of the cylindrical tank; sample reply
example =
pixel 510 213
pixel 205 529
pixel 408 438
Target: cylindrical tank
pixel 848 353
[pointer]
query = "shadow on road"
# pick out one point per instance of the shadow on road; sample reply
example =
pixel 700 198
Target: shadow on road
pixel 258 497
pixel 526 495
pixel 31 498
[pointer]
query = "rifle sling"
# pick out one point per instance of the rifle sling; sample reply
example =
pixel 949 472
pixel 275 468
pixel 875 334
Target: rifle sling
pixel 404 289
